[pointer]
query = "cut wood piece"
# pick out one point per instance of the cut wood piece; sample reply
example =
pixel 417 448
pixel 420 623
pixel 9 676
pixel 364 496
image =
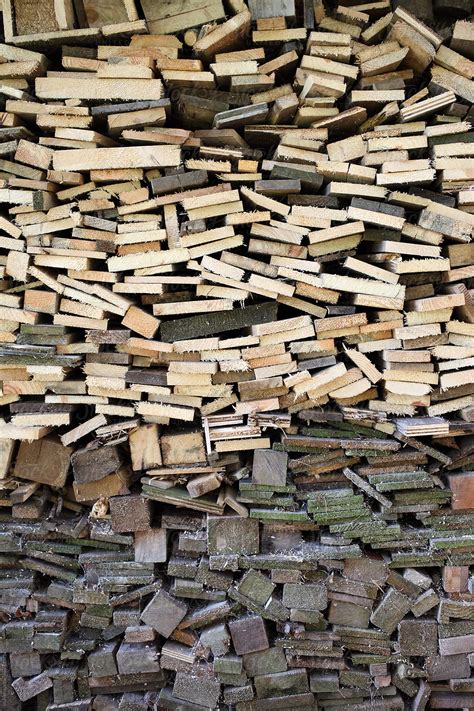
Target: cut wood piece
pixel 376 218
pixel 428 106
pixel 113 158
pixel 366 366
pixel 347 149
pixel 421 49
pixel 461 40
pixel 362 286
pixel 148 259
pixel 327 66
pixel 140 322
pixel 151 546
pixel 452 81
pixel 98 89
pixel 224 37
pixel 46 461
pixel 174 17
pixel 198 326
pixel 370 270
pixel 82 430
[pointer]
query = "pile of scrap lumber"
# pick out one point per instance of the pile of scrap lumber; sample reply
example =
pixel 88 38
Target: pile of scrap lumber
pixel 237 357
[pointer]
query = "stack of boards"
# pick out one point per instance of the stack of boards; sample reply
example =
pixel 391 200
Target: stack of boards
pixel 236 359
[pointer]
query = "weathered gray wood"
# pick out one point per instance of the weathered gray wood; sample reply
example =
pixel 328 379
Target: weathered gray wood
pixel 232 534
pixel 137 657
pixel 164 612
pixel 210 324
pixel 130 513
pixel 93 463
pixel 29 688
pixel 269 467
pixel 393 607
pixel 418 637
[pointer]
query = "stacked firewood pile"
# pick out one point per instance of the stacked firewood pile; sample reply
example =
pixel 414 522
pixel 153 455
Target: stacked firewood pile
pixel 236 360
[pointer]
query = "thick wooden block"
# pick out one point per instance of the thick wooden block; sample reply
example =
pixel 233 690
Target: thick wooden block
pixel 267 661
pixel 145 450
pixel 462 486
pixel 323 682
pixel 287 683
pixel 130 513
pixel 305 596
pixel 102 660
pixel 70 88
pixel 140 322
pixel 344 612
pixel 455 666
pixel 217 639
pixel 269 467
pixel 464 644
pixel 93 463
pixel 133 701
pixel 248 634
pixel 183 448
pixel 151 546
pixel 418 638
pixel 28 664
pixel 455 578
pixel 210 324
pixel 41 301
pixel 391 610
pixel 197 688
pixel 256 586
pixel 232 534
pixel 29 688
pixel 45 461
pixel 164 613
pixel 137 658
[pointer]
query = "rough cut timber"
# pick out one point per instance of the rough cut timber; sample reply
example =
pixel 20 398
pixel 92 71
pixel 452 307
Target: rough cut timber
pixel 236 355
